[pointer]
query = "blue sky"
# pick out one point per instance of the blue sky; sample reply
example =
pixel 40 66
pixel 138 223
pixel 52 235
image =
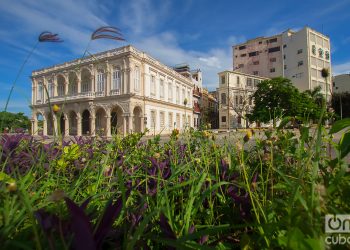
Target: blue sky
pixel 199 32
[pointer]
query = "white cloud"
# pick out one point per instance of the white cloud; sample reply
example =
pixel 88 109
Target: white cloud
pixel 343 68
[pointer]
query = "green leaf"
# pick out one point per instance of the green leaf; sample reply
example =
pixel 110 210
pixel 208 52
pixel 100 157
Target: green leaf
pixel 304 133
pixel 344 145
pixel 284 122
pixel 339 125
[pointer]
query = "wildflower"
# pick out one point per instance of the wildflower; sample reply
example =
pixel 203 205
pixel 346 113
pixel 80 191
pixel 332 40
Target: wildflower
pixel 248 135
pixel 206 134
pixel 55 108
pixel 197 161
pixel 156 155
pixel 11 186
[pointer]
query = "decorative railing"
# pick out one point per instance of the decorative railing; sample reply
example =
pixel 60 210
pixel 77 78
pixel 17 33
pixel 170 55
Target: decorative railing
pixel 115 92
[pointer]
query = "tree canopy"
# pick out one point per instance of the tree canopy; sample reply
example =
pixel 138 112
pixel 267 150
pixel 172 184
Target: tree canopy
pixel 277 97
pixel 13 121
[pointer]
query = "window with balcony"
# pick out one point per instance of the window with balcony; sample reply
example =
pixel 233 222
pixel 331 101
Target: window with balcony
pixel 60 89
pixel 50 89
pixel 116 81
pixel 255 73
pixel 40 93
pixel 249 82
pixel 161 88
pixel 177 94
pixel 274 49
pixel 137 78
pixel 170 119
pixel 153 85
pixel 242 47
pixel 153 119
pixel 170 91
pixel 183 96
pixel 272 70
pixel 100 82
pixel 161 120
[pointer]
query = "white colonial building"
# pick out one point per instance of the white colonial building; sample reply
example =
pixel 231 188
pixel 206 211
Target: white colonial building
pixel 121 91
pixel 235 97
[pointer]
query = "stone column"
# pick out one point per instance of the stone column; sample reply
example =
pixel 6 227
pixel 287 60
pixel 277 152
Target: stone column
pixel 129 81
pixel 55 86
pixel 66 84
pixel 44 125
pixel 79 132
pixel 108 79
pixel 142 118
pixel 124 125
pixel 55 127
pixel 34 126
pixel 108 122
pixel 66 125
pixel 130 123
pixel 79 82
pixel 93 122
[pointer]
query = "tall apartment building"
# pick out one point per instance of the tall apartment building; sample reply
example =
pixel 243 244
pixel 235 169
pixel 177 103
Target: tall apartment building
pixel 116 91
pixel 299 56
pixel 234 92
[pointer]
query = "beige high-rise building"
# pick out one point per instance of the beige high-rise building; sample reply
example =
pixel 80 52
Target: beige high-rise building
pixel 299 56
pixel 120 91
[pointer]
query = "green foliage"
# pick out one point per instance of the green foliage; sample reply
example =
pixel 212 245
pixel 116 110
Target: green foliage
pixel 13 121
pixel 257 191
pixel 277 98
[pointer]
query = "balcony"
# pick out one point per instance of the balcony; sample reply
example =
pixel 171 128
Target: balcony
pixel 196 108
pixel 196 93
pixel 115 92
pixel 69 97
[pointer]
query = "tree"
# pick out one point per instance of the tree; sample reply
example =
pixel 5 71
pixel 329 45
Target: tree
pixel 13 121
pixel 273 98
pixel 277 97
pixel 341 104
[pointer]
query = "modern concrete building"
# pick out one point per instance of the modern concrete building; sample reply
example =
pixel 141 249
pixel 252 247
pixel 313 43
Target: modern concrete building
pixel 299 56
pixel 235 91
pixel 341 83
pixel 117 91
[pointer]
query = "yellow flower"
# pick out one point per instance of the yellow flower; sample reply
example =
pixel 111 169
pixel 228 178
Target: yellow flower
pixel 11 186
pixel 156 155
pixel 248 135
pixel 55 108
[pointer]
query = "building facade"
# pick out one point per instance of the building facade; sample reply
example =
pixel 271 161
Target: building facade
pixel 341 83
pixel 299 56
pixel 196 77
pixel 235 97
pixel 120 91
